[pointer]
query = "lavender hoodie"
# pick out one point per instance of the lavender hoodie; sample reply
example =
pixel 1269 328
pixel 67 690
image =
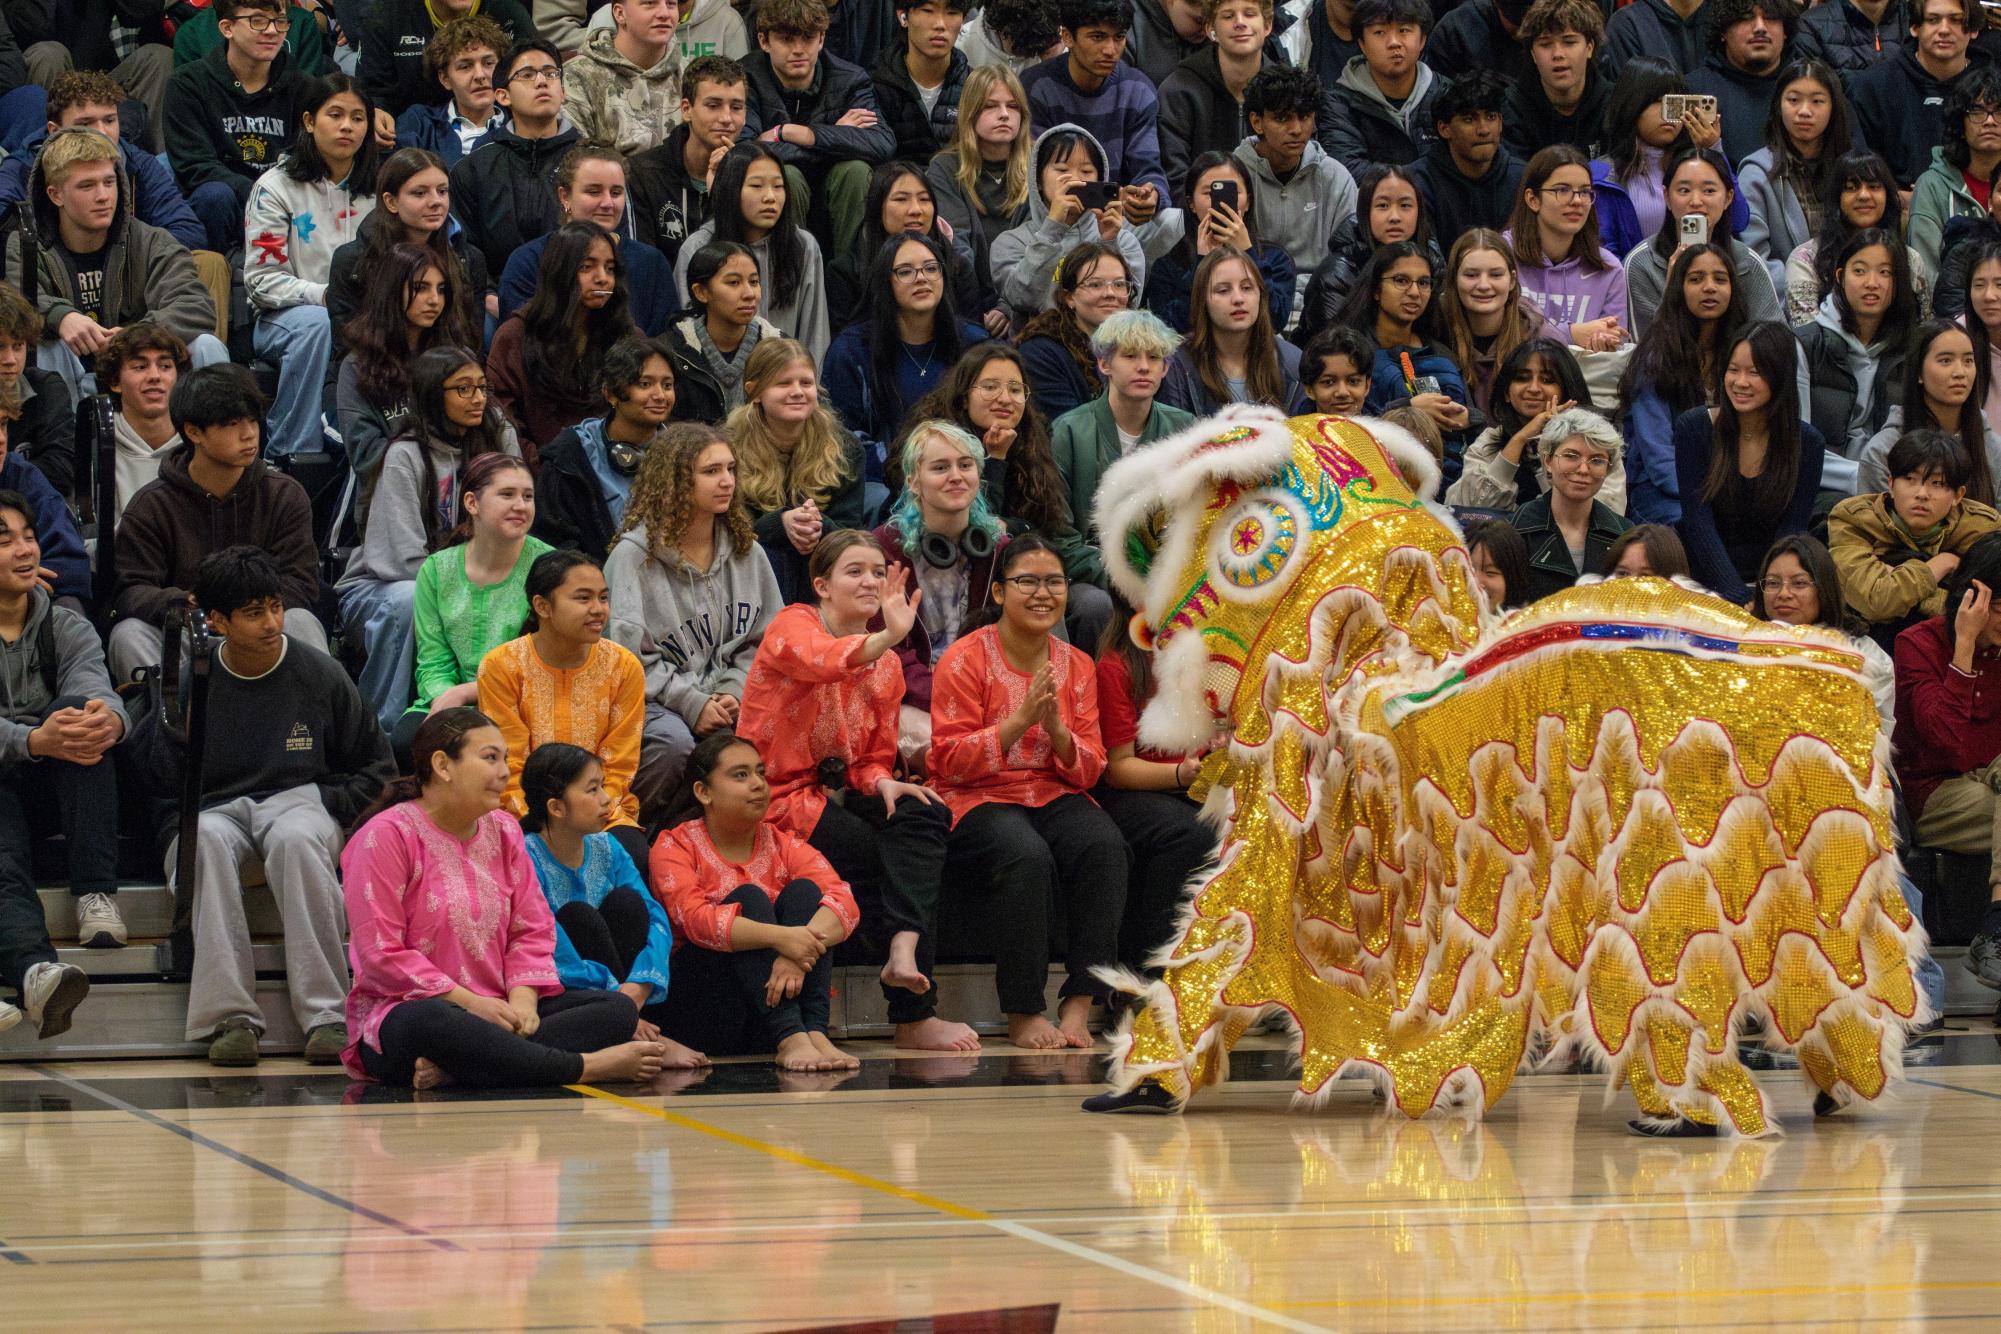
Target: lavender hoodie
pixel 1567 295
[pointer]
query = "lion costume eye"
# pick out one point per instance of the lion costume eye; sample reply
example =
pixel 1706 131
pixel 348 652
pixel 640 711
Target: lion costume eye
pixel 1251 546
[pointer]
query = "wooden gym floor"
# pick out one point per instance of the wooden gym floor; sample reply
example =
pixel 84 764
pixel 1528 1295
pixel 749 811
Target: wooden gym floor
pixel 972 1194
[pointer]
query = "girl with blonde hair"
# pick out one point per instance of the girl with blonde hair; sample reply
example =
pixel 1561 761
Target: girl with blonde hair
pixel 981 181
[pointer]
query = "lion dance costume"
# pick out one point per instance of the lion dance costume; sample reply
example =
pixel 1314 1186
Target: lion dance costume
pixel 1622 822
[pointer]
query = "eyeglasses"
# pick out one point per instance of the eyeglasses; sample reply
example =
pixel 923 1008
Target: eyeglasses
pixel 468 392
pixel 1404 282
pixel 265 23
pixel 539 74
pixel 904 273
pixel 1571 458
pixel 1775 585
pixel 1002 388
pixel 1563 194
pixel 1105 286
pixel 1985 115
pixel 1025 584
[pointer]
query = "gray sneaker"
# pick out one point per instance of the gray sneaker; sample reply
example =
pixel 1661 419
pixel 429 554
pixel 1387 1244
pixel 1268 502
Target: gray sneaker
pixel 50 994
pixel 98 925
pixel 1983 960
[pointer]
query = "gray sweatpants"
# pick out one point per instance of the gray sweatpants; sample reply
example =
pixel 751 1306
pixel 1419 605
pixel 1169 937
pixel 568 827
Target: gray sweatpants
pixel 299 844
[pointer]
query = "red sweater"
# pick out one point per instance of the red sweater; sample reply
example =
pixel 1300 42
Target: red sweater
pixel 1948 723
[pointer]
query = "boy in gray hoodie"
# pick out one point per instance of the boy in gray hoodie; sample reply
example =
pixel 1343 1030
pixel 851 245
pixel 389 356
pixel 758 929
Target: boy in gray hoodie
pixel 1302 194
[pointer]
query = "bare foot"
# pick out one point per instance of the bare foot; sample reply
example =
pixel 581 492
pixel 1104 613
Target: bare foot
pixel 902 970
pixel 1073 1020
pixel 1034 1032
pixel 427 1075
pixel 629 1062
pixel 677 1057
pixel 836 1058
pixel 935 1034
pixel 800 1053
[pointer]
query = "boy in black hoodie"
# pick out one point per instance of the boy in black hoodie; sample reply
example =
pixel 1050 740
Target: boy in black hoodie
pixel 504 191
pixel 670 183
pixel 1467 178
pixel 230 116
pixel 1564 97
pixel 1748 41
pixel 1900 104
pixel 1202 101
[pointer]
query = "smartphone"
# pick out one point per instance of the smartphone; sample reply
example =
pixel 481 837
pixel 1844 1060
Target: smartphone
pixel 1675 106
pixel 1426 384
pixel 1225 192
pixel 1095 194
pixel 1694 229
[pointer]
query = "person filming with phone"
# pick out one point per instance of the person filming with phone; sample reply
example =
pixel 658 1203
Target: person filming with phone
pixel 1070 201
pixel 1701 194
pixel 1217 210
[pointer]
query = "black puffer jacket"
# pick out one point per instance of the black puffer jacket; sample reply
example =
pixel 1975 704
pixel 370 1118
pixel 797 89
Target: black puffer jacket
pixel 1838 33
pixel 919 133
pixel 1333 282
pixel 504 191
pixel 1834 388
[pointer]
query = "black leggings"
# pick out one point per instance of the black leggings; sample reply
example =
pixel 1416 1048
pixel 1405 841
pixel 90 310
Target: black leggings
pixel 612 934
pixel 1169 842
pixel 477 1054
pixel 897 861
pixel 715 998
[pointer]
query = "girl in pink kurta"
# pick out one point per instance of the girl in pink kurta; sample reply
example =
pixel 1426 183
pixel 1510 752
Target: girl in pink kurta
pixel 451 942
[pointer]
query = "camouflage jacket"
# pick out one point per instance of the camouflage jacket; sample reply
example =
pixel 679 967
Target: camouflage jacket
pixel 613 101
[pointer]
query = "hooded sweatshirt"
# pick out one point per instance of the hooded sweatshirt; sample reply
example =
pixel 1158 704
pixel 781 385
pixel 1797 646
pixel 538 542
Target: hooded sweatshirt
pixel 291 230
pixel 1198 114
pixel 1298 215
pixel 1455 202
pixel 1566 294
pixel 1652 28
pixel 613 101
pixel 1941 195
pixel 1368 128
pixel 155 197
pixel 393 541
pixel 137 462
pixel 78 670
pixel 1024 258
pixel 393 40
pixel 1743 101
pixel 713 29
pixel 217 132
pixel 664 202
pixel 695 631
pixel 1900 110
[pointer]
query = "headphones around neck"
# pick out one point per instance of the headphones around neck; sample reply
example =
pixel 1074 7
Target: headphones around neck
pixel 942 553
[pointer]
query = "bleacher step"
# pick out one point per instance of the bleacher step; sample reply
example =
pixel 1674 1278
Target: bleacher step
pixel 148 910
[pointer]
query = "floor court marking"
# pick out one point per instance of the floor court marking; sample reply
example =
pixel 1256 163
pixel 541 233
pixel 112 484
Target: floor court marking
pixel 1018 1230
pixel 1954 1088
pixel 258 1165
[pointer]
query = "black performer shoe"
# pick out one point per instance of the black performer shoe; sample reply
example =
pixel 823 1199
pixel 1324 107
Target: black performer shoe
pixel 1825 1105
pixel 1670 1127
pixel 1145 1097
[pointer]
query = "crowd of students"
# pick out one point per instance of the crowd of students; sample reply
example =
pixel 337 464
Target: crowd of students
pixel 724 393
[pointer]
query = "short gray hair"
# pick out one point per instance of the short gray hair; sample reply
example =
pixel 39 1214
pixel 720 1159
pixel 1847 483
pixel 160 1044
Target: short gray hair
pixel 1573 423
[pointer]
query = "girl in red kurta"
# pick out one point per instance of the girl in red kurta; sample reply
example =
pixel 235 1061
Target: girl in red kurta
pixel 821 704
pixel 756 914
pixel 1014 752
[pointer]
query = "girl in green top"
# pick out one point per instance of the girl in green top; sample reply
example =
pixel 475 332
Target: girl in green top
pixel 469 596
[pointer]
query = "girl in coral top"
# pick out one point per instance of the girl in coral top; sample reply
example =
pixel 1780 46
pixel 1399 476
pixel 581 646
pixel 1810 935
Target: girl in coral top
pixel 821 704
pixel 756 915
pixel 1014 752
pixel 451 941
pixel 562 680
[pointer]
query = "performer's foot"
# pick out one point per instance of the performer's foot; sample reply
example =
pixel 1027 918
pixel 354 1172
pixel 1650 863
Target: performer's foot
pixel 1145 1097
pixel 1670 1127
pixel 1825 1105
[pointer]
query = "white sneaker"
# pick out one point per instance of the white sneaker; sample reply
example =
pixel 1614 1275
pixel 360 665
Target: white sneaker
pixel 98 925
pixel 10 1015
pixel 50 995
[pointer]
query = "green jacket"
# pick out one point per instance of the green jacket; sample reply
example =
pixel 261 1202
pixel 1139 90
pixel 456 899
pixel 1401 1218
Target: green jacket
pixel 1085 442
pixel 1939 196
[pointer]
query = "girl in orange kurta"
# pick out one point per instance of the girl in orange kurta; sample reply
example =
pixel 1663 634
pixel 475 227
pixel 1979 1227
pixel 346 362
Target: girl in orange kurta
pixel 564 681
pixel 1014 752
pixel 756 914
pixel 822 704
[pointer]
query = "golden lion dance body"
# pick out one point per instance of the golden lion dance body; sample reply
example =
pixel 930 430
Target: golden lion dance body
pixel 1629 818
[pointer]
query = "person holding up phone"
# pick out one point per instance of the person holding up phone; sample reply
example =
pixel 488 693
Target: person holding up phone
pixel 1216 211
pixel 1070 201
pixel 1701 194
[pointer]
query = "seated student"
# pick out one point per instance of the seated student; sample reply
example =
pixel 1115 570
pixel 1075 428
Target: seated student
pixel 1308 195
pixel 1675 369
pixel 1500 562
pixel 500 189
pixel 1946 740
pixel 213 484
pixel 1467 178
pixel 1958 181
pixel 1133 349
pixel 825 693
pixel 1389 209
pixel 1232 355
pixel 1942 390
pixel 1088 87
pixel 1783 183
pixel 623 89
pixel 1028 260
pixel 1483 315
pixel 899 200
pixel 405 315
pixel 562 680
pixel 1854 350
pixel 306 40
pixel 1015 750
pixel 1202 98
pixel 611 933
pixel 45 432
pixel 1647 549
pixel 1748 468
pixel 230 116
pixel 1092 282
pixel 1698 184
pixel 1861 193
pixel 462 59
pixel 1392 300
pixel 980 178
pixel 1579 287
pixel 799 469
pixel 710 345
pixel 1562 98
pixel 919 82
pixel 819 114
pixel 749 205
pixel 412 207
pixel 396 33
pixel 587 472
pixel 1567 528
pixel 692 593
pixel 1896 548
pixel 546 356
pixel 910 335
pixel 140 366
pixel 590 187
pixel 1748 40
pixel 1382 101
pixel 296 763
pixel 89 100
pixel 1336 368
pixel 98 268
pixel 1211 217
pixel 753 966
pixel 1504 466
pixel 1627 169
pixel 1145 792
pixel 65 570
pixel 669 183
pixel 471 592
pixel 450 423
pixel 453 944
pixel 59 719
pixel 300 212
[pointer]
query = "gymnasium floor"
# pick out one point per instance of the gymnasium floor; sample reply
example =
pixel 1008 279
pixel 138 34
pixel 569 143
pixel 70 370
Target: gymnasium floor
pixel 971 1194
